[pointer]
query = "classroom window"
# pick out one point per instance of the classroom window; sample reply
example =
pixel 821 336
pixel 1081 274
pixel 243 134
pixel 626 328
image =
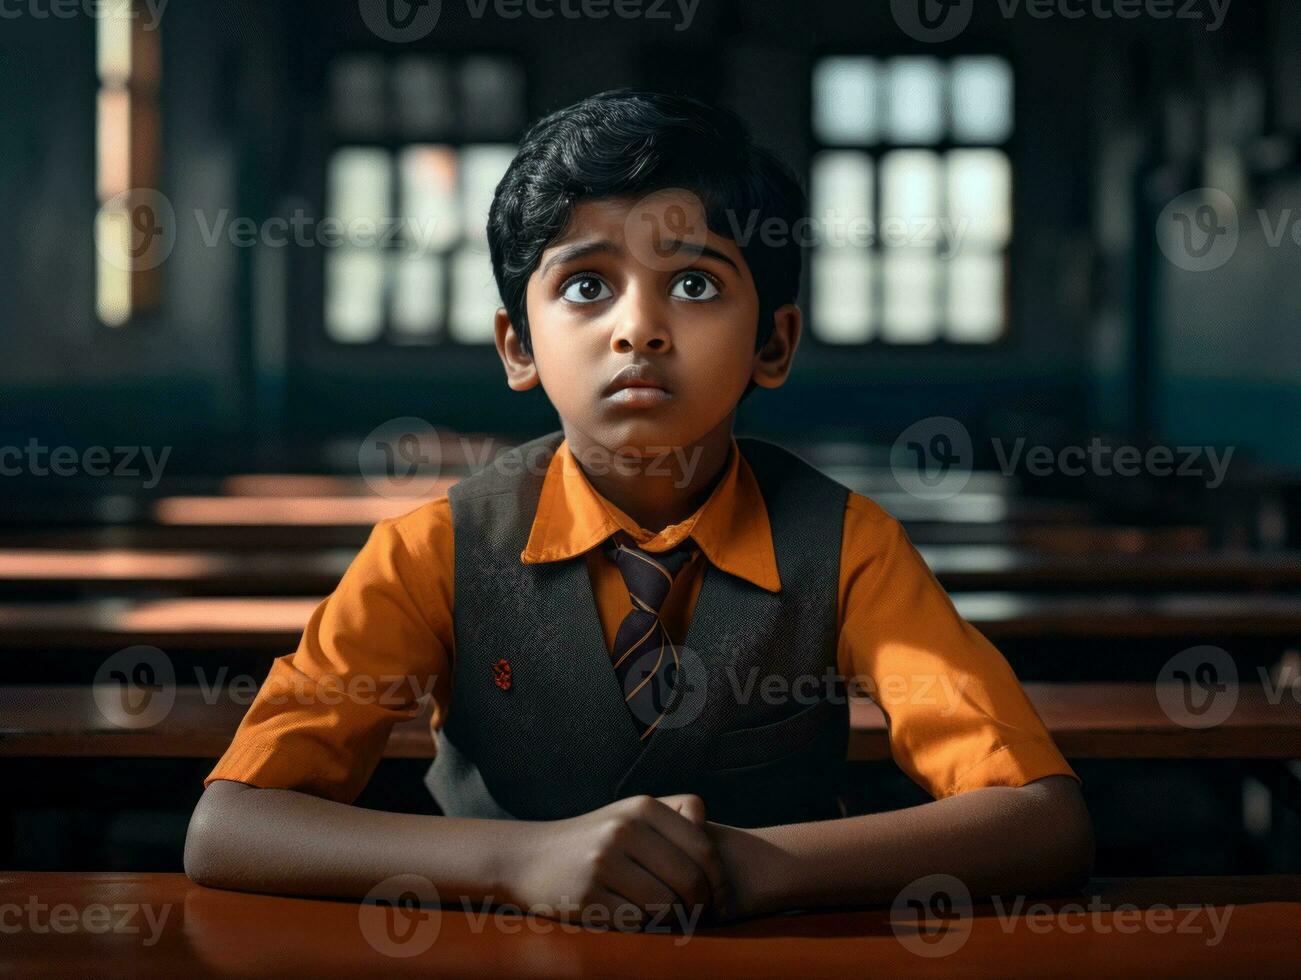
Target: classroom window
pixel 910 188
pixel 420 144
pixel 128 227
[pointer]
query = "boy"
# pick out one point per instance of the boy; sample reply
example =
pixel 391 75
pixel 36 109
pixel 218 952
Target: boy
pixel 627 625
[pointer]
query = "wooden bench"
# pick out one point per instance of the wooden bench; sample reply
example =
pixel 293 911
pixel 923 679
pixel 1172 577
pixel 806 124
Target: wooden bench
pixel 351 532
pixel 185 572
pixel 969 568
pixel 1087 720
pixel 275 623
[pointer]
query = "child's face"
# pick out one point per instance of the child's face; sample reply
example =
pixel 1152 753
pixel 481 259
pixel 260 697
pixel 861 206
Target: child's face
pixel 644 282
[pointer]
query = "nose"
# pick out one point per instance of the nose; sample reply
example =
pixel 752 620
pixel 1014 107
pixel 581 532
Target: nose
pixel 641 324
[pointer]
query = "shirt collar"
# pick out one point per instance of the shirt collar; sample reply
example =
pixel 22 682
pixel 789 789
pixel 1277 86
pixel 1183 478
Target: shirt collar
pixel 731 528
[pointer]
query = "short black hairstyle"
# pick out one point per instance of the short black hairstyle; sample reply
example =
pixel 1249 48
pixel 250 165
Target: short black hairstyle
pixel 634 142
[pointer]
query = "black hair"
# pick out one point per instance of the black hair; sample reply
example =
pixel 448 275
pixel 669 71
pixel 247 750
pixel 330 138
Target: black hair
pixel 632 142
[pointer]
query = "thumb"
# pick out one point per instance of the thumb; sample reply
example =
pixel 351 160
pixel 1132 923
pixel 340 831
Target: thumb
pixel 688 804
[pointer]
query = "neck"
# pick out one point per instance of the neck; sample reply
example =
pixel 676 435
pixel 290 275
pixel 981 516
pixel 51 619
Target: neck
pixel 655 489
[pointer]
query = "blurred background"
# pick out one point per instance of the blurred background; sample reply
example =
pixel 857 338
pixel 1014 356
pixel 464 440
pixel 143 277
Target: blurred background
pixel 1052 287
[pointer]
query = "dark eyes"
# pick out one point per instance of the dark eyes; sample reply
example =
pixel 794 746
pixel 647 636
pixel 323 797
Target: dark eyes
pixel 695 287
pixel 586 289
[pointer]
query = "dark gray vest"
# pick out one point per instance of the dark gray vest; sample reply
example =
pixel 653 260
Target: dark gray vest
pixel 756 724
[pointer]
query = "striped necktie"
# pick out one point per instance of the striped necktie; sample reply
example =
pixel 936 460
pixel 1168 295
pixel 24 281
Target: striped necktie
pixel 645 659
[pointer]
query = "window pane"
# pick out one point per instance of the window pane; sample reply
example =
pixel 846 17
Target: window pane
pixel 113 266
pixel 910 197
pixel 982 100
pixel 354 295
pixel 841 198
pixel 429 206
pixel 845 100
pixel 481 168
pixel 359 190
pixel 842 295
pixel 474 296
pixel 980 196
pixel 975 307
pixel 911 296
pixel 492 94
pixel 915 100
pixel 113 43
pixel 418 296
pixel 422 93
pixel 357 95
pixel 113 142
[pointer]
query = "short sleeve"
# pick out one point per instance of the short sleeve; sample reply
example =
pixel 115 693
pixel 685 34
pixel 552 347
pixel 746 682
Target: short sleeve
pixel 372 654
pixel 958 718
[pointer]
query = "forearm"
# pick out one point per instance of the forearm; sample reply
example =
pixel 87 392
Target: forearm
pixel 270 840
pixel 998 840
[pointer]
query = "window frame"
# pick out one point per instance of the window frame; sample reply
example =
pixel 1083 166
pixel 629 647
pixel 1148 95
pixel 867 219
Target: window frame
pixel 877 343
pixel 386 346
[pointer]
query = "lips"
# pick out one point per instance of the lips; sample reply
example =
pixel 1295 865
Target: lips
pixel 636 376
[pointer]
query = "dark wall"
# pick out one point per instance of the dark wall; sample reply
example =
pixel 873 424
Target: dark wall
pixel 225 358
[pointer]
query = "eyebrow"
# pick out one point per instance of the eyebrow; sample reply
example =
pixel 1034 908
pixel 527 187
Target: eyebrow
pixel 578 251
pixel 602 246
pixel 695 248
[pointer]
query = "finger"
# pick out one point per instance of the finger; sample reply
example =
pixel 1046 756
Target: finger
pixel 671 865
pixel 645 890
pixel 616 911
pixel 689 805
pixel 696 843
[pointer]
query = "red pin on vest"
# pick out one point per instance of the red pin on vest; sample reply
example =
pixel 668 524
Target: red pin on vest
pixel 501 674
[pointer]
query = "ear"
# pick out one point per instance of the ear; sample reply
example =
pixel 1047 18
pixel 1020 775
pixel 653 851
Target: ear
pixel 521 370
pixel 773 362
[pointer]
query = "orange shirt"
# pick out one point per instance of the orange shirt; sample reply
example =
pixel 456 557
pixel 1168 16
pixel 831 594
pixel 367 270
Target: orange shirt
pixel 958 718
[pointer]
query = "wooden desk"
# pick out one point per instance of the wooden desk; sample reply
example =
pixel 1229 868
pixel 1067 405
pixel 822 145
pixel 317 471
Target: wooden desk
pixel 275 623
pixel 1169 927
pixel 1087 720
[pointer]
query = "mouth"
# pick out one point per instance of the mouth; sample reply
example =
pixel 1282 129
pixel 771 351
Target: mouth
pixel 637 385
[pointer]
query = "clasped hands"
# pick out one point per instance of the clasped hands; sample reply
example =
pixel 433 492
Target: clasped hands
pixel 629 864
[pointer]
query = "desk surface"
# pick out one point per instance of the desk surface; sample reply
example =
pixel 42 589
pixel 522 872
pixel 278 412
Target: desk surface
pixel 76 925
